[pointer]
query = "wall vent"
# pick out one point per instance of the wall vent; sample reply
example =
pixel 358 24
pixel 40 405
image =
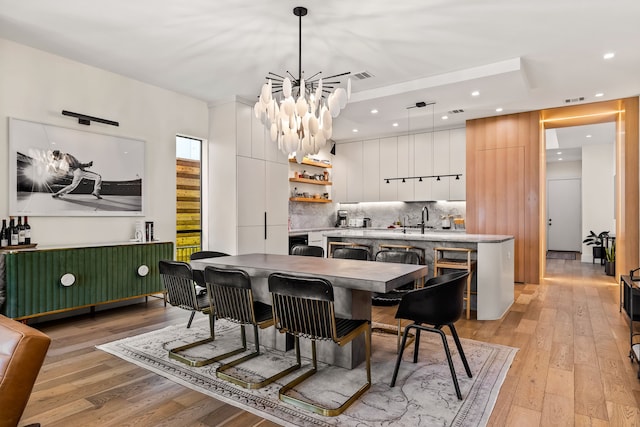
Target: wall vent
pixel 572 100
pixel 362 75
pixel 457 111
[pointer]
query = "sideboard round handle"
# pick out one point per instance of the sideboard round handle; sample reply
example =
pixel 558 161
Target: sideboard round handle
pixel 67 279
pixel 143 270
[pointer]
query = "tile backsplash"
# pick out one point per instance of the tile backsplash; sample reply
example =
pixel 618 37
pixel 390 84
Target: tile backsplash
pixel 382 214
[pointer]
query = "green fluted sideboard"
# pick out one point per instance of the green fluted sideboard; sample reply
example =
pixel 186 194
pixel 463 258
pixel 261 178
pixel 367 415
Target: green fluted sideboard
pixel 40 282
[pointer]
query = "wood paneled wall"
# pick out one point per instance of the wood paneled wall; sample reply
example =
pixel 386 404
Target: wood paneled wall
pixel 503 174
pixel 187 202
pixel 505 179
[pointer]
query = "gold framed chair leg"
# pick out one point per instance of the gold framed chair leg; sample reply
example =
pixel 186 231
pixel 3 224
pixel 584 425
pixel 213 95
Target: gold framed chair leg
pixel 222 374
pixel 174 353
pixel 314 407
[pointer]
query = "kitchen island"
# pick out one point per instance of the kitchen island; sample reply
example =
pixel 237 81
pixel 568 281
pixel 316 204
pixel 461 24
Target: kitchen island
pixel 493 279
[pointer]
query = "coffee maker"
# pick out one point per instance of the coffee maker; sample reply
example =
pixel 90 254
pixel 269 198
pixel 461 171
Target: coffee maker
pixel 342 218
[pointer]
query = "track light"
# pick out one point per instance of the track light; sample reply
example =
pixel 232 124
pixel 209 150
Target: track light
pixel 387 181
pixel 420 180
pixel 438 179
pixel 457 177
pixel 403 180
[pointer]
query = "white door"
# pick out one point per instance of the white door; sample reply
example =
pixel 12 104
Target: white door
pixel 564 215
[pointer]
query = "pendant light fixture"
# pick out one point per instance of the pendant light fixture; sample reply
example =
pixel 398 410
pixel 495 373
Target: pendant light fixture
pixel 301 125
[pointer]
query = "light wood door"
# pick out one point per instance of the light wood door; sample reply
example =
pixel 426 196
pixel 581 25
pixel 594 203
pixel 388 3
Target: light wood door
pixel 501 188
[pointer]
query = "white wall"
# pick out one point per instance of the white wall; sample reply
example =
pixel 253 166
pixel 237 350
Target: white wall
pixel 37 86
pixel 598 170
pixel 564 170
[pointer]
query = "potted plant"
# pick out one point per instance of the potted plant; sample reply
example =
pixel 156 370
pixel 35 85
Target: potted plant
pixel 610 262
pixel 597 241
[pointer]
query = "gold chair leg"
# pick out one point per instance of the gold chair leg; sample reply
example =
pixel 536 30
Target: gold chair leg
pixel 174 353
pixel 314 407
pixel 221 371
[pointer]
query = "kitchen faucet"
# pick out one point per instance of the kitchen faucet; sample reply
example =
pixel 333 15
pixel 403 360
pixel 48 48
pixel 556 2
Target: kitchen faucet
pixel 422 225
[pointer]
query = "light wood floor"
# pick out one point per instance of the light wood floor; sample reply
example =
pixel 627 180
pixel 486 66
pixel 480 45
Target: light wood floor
pixel 572 367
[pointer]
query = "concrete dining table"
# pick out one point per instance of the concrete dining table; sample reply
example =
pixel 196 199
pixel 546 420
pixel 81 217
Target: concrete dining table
pixel 353 282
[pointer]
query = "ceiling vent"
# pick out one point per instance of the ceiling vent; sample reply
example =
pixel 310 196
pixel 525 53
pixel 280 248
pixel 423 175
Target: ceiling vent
pixel 572 100
pixel 362 75
pixel 458 111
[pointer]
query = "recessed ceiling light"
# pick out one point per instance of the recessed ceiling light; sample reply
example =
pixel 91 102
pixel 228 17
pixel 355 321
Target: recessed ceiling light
pixel 599 94
pixel 374 111
pixel 445 117
pixel 588 136
pixel 559 152
pixel 395 125
pixel 475 93
pixel 355 131
pixel 559 158
pixel 609 55
pixel 499 110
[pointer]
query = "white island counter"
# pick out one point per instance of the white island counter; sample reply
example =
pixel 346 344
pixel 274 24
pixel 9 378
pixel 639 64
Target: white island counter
pixel 494 275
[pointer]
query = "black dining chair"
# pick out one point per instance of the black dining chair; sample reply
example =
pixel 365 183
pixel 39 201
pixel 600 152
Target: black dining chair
pixel 440 303
pixel 177 278
pixel 394 296
pixel 308 250
pixel 351 253
pixel 233 300
pixel 303 307
pixel 198 275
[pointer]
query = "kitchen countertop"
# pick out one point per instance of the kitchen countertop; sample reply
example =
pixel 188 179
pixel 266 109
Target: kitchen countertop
pixel 411 234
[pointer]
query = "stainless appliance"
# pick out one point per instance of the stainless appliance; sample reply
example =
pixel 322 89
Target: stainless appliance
pixel 342 218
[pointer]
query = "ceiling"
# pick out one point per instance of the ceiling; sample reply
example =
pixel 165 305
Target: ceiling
pixel 520 55
pixel 565 144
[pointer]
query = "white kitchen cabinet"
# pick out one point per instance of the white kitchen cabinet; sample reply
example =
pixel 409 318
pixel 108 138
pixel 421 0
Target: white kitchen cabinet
pixel 423 165
pixel 353 152
pixel 340 164
pixel 440 189
pixel 388 169
pixel 371 171
pixel 405 168
pixel 441 153
pixel 262 188
pixel 315 238
pixel 458 164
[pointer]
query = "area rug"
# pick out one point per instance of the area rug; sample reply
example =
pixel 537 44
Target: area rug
pixel 423 396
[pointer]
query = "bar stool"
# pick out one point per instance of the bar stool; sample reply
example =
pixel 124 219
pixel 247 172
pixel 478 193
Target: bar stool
pixel 447 258
pixel 420 251
pixel 332 246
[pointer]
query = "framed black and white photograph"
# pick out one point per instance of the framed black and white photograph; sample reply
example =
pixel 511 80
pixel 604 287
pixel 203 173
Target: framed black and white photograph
pixel 57 171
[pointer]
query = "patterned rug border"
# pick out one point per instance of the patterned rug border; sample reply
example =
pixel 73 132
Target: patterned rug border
pixel 500 359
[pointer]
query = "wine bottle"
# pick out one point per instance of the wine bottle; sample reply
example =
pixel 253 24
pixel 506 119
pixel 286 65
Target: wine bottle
pixel 27 231
pixel 3 234
pixel 13 241
pixel 20 231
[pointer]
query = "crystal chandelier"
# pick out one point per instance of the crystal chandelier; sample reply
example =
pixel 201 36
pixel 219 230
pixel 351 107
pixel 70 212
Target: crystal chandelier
pixel 301 125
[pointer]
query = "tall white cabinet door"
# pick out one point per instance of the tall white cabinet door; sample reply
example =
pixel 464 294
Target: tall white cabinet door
pixel 440 189
pixel 251 240
pixel 277 240
pixel 405 168
pixel 244 118
pixel 257 138
pixel 352 152
pixel 423 165
pixel 371 171
pixel 339 175
pixel 251 191
pixel 388 169
pixel 458 164
pixel 276 189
